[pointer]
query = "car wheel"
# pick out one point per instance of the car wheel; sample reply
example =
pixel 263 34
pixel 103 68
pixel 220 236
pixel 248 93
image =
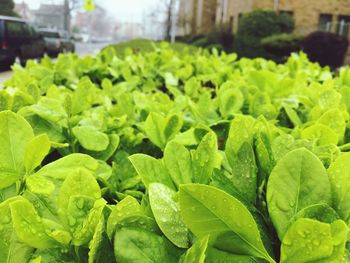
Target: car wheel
pixel 64 51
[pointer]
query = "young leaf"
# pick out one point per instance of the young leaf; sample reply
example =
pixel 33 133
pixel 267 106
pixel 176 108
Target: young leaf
pixel 216 256
pixel 339 175
pixel 205 158
pixel 161 129
pixel 15 133
pixel 139 245
pixel 90 138
pixel 178 162
pixel 28 225
pixel 64 166
pixel 80 184
pixel 167 215
pixel 223 215
pixel 151 170
pixel 101 250
pixel 12 250
pixel 196 253
pixel 310 240
pixel 35 151
pixel 125 208
pixel 297 181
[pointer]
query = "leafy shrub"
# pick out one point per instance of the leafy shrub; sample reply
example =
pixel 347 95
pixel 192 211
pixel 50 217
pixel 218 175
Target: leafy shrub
pixel 138 159
pixel 255 26
pixel 328 49
pixel 146 45
pixel 221 38
pixel 282 45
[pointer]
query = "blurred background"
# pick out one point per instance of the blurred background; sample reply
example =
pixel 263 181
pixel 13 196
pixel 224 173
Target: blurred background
pixel 251 28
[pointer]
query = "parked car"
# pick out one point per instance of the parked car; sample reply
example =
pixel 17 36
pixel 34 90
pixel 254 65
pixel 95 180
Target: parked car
pixel 19 40
pixel 57 42
pixel 67 42
pixel 52 41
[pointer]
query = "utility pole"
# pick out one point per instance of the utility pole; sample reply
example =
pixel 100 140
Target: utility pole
pixel 66 12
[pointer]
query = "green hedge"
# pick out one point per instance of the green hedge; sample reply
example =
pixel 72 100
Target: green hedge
pixel 255 26
pixel 172 157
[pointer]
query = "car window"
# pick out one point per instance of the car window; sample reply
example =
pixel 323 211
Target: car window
pixel 33 31
pixel 26 30
pixel 14 28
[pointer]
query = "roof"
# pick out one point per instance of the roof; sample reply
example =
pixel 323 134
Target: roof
pixel 11 18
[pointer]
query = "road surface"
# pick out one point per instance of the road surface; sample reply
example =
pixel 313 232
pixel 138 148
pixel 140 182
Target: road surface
pixel 82 49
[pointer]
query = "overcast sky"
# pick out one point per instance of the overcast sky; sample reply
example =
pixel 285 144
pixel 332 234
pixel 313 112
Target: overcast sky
pixel 122 10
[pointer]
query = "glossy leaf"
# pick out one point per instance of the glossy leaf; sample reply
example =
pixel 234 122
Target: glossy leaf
pixel 304 181
pixel 223 214
pixel 167 214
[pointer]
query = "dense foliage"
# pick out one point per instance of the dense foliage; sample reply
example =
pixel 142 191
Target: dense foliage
pixel 160 157
pixel 282 45
pixel 326 48
pixel 7 8
pixel 255 26
pixel 220 37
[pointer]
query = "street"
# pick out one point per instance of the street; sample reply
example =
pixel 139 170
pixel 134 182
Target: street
pixel 82 49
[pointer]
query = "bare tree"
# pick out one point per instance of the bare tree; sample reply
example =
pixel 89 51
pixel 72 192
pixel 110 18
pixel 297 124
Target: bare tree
pixel 166 10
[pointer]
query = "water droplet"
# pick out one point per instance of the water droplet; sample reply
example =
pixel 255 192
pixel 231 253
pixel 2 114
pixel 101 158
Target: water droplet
pixel 301 233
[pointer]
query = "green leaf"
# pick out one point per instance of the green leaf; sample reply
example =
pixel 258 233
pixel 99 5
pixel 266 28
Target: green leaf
pixel 216 256
pixel 230 101
pixel 196 253
pixel 15 133
pixel 79 184
pixel 178 162
pixel 161 129
pixel 47 108
pixel 100 249
pixel 309 240
pixel 28 225
pixel 298 180
pixel 339 175
pixel 83 96
pixel 244 172
pixel 85 221
pixel 141 246
pixel 205 159
pixel 125 208
pixel 166 213
pixel 114 140
pixel 224 216
pixel 64 166
pixel 321 133
pixel 151 170
pixel 35 151
pixel 90 138
pixel 12 250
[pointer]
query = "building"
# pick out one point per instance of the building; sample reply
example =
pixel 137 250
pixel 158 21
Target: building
pixel 24 11
pixel 196 16
pixel 50 16
pixel 309 15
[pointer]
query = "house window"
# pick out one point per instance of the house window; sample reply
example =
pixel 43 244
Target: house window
pixel 343 28
pixel 325 22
